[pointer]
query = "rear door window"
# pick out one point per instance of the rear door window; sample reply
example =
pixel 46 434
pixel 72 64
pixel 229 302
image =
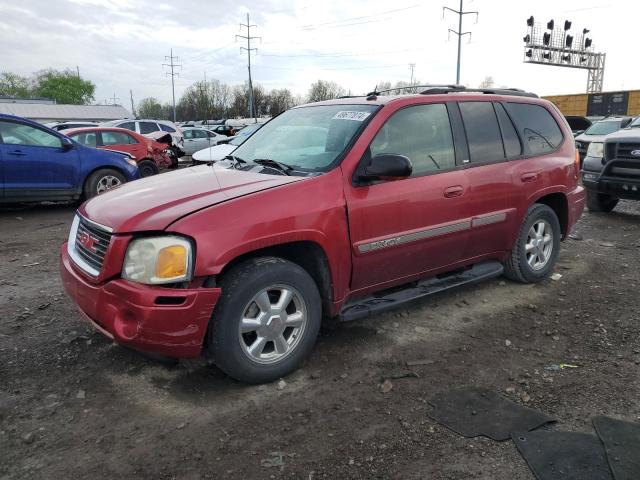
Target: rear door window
pixel 128 125
pixel 483 132
pixel 512 145
pixel 538 129
pixel 148 127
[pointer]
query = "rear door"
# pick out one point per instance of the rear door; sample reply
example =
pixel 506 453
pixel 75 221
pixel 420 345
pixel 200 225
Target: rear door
pixel 407 227
pixel 35 162
pixel 491 140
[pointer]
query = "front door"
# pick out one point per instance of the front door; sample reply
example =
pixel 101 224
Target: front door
pixel 407 227
pixel 35 162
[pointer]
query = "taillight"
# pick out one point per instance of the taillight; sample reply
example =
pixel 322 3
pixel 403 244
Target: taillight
pixel 576 165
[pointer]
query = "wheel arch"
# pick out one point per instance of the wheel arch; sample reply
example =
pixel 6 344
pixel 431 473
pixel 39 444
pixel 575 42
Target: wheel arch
pixel 559 203
pixel 308 254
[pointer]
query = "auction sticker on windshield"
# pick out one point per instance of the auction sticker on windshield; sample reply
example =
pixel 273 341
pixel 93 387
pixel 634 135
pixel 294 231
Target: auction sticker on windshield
pixel 347 115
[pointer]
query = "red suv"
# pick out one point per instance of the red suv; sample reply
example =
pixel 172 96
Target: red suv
pixel 335 209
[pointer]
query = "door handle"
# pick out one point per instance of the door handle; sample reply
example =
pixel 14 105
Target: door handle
pixel 17 152
pixel 529 177
pixel 454 191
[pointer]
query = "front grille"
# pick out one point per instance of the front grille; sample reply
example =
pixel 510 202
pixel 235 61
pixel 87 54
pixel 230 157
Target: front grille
pixel 624 150
pixel 91 243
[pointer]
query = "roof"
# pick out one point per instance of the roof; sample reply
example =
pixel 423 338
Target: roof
pixel 41 111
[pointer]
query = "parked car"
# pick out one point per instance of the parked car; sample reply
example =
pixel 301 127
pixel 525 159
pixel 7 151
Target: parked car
pixel 578 124
pixel 198 138
pixel 224 148
pixel 226 130
pixel 611 169
pixel 400 197
pixel 597 132
pixel 146 127
pixel 151 156
pixel 59 126
pixel 38 163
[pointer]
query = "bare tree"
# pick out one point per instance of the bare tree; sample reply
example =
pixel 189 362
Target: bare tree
pixel 487 82
pixel 324 90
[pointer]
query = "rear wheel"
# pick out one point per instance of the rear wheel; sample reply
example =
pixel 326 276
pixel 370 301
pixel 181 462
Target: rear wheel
pixel 599 202
pixel 102 180
pixel 147 168
pixel 266 321
pixel 536 250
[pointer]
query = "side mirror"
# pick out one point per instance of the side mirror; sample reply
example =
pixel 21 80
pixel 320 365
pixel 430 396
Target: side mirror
pixel 387 166
pixel 67 143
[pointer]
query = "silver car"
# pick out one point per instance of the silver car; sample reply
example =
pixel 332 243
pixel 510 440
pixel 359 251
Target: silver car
pixel 198 139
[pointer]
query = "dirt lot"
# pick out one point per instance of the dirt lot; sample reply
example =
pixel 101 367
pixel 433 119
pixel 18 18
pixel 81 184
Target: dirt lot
pixel 74 405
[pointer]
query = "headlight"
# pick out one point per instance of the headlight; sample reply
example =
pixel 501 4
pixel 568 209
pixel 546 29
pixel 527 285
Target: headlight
pixel 590 176
pixel 596 150
pixel 158 260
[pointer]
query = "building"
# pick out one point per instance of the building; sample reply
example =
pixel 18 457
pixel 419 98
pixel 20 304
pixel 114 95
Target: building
pixel 598 104
pixel 45 110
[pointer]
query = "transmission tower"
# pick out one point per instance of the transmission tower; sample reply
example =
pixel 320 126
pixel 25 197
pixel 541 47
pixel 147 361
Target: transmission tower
pixel 461 13
pixel 249 49
pixel 171 59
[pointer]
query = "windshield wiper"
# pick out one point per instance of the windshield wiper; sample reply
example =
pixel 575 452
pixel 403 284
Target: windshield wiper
pixel 236 160
pixel 267 162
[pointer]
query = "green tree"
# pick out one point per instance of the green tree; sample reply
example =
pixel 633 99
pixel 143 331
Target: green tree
pixel 64 87
pixel 150 108
pixel 13 85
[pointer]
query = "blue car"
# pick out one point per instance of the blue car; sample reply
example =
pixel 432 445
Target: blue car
pixel 38 163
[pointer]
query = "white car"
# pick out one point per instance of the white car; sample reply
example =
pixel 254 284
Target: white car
pixel 217 153
pixel 145 127
pixel 196 139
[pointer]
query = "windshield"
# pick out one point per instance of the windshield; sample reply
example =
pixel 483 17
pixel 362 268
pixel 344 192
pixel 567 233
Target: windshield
pixel 243 134
pixel 635 123
pixel 306 138
pixel 603 128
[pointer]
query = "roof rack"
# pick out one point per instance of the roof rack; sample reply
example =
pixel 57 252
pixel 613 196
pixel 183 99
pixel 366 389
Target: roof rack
pixel 515 92
pixel 413 87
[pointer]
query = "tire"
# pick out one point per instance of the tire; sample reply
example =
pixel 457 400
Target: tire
pixel 102 180
pixel 147 168
pixel 600 202
pixel 525 265
pixel 243 288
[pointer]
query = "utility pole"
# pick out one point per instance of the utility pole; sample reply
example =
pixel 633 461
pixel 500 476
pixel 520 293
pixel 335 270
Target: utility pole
pixel 412 66
pixel 248 38
pixel 133 108
pixel 114 100
pixel 171 59
pixel 461 13
pixel 78 70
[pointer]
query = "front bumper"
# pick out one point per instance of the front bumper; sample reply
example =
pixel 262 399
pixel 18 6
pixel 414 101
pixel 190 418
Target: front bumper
pixel 164 321
pixel 616 187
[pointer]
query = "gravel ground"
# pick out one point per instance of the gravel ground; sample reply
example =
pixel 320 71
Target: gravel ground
pixel 74 405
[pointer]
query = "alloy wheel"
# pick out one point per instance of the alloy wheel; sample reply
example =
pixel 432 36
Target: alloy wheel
pixel 539 245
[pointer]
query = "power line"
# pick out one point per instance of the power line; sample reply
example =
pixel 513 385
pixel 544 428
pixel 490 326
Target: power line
pixel 334 68
pixel 173 74
pixel 249 49
pixel 342 54
pixel 461 13
pixel 316 25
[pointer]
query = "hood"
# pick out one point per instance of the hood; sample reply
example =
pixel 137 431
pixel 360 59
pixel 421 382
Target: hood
pixel 215 153
pixel 589 138
pixel 632 134
pixel 153 203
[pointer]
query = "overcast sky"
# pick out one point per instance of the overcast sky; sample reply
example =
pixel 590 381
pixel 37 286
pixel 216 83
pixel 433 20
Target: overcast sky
pixel 121 44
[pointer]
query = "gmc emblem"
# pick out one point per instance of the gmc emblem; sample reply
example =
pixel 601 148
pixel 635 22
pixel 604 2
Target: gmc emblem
pixel 88 242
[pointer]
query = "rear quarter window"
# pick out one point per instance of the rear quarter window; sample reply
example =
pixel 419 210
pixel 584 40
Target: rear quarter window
pixel 538 129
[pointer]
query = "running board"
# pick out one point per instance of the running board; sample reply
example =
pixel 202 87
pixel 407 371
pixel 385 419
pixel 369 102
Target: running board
pixel 381 302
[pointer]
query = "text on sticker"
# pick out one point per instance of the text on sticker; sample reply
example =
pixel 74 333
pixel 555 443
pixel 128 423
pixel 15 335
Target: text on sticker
pixel 357 116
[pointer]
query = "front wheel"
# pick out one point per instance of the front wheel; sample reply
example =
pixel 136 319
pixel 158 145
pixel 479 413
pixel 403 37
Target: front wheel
pixel 147 168
pixel 266 321
pixel 600 202
pixel 536 250
pixel 102 180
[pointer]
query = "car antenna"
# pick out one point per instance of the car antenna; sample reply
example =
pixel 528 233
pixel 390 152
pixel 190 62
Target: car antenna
pixel 373 95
